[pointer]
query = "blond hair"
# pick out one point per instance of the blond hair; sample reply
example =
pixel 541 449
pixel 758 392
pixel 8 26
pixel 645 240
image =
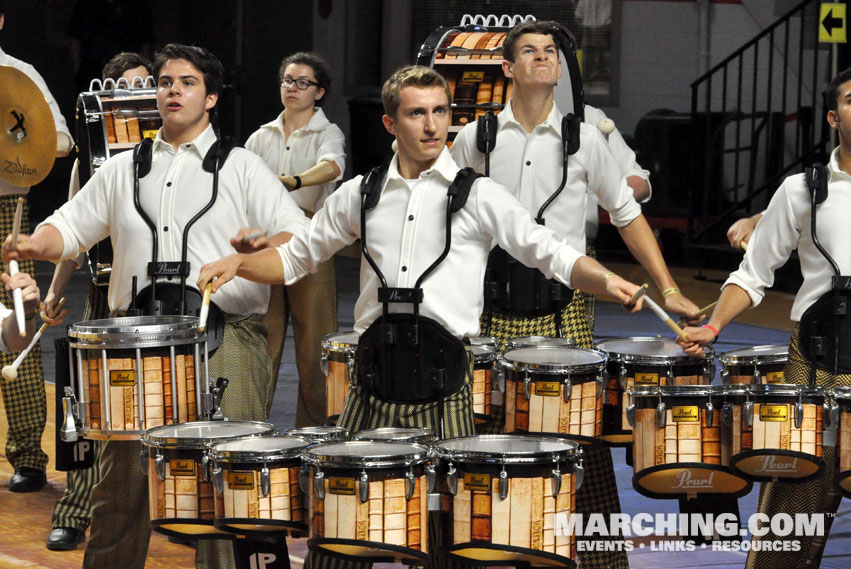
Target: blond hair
pixel 410 76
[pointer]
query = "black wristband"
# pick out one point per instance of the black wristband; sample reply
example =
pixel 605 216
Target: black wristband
pixel 297 182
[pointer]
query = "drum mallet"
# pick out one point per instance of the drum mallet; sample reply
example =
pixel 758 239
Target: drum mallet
pixel 205 307
pixel 606 126
pixel 11 372
pixel 663 316
pixel 17 298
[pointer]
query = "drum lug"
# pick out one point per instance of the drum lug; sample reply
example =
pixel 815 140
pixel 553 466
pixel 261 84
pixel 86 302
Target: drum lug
pixel 500 374
pixel 670 376
pixel 556 481
pixel 159 466
pixel 568 389
pixel 601 383
pixel 630 414
pixel 143 461
pixel 579 473
pixel 503 484
pixel 218 479
pixel 410 484
pixel 304 479
pixel 749 412
pixel 832 416
pixel 710 414
pixel 452 479
pixel 218 391
pixel 727 413
pixel 350 368
pixel 527 386
pixel 431 477
pixel 69 424
pixel 622 377
pixel 799 414
pixel 756 375
pixel 661 414
pixel 205 467
pixel 363 486
pixel 725 375
pixel 323 363
pixel 265 482
pixel 319 484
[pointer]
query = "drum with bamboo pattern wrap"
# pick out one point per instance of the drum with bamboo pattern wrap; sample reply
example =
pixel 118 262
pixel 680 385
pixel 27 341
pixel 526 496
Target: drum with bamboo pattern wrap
pixel 256 482
pixel 338 356
pixel 322 434
pixel 842 396
pixel 416 435
pixel 180 488
pixel 645 361
pixel 760 364
pixel 135 373
pixel 681 446
pixel 555 390
pixel 500 495
pixel 368 500
pixel 776 430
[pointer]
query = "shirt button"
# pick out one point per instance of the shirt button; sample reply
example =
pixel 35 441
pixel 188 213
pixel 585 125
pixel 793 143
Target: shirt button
pixel 168 184
pixel 528 162
pixel 410 218
pixel 288 147
pixel 165 228
pixel 404 269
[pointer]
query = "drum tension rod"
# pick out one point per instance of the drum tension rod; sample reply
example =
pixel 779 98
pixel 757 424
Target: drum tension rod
pixel 556 481
pixel 319 484
pixel 710 412
pixel 661 413
pixel 159 464
pixel 265 482
pixel 749 410
pixel 363 486
pixel 452 479
pixel 568 388
pixel 799 411
pixel 503 483
pixel 219 479
pixel 410 483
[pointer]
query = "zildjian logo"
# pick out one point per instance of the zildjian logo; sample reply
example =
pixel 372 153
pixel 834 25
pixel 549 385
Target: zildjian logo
pixel 18 169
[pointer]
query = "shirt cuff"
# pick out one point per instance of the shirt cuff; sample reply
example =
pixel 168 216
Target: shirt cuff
pixel 624 215
pixel 336 159
pixel 68 248
pixel 755 294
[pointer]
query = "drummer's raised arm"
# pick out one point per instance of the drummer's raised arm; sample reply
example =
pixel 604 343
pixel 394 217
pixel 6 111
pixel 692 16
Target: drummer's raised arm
pixel 46 244
pixel 64 144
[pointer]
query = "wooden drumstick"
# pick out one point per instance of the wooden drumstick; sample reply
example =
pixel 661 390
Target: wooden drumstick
pixel 743 244
pixel 642 290
pixel 205 307
pixel 705 309
pixel 663 316
pixel 250 236
pixel 11 372
pixel 17 298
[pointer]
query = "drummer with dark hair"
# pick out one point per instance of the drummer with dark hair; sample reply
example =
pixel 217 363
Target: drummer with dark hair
pixel 175 188
pixel 818 200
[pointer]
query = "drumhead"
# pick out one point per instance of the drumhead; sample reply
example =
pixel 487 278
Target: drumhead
pixel 774 353
pixel 506 449
pixel 136 332
pixel 397 434
pixel 341 341
pixel 203 433
pixel 258 449
pixel 318 434
pixel 533 341
pixel 648 350
pixel 367 454
pixel 554 359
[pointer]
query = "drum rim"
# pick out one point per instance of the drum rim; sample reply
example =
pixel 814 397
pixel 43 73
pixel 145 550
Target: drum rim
pixel 488 341
pixel 322 433
pixel 483 353
pixel 677 391
pixel 738 357
pixel 136 332
pixel 257 456
pixel 150 439
pixel 557 369
pixel 621 357
pixel 330 343
pixel 529 458
pixel 422 435
pixel 775 389
pixel 842 392
pixel 538 341
pixel 418 454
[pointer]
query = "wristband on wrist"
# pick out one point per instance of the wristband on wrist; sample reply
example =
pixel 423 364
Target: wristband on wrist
pixel 669 291
pixel 606 278
pixel 297 182
pixel 714 331
pixel 31 315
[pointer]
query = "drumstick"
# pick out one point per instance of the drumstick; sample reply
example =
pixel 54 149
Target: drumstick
pixel 205 307
pixel 638 294
pixel 663 316
pixel 743 244
pixel 17 298
pixel 250 236
pixel 705 309
pixel 11 372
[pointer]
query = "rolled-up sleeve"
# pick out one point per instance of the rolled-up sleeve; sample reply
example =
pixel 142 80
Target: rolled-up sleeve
pixel 607 182
pixel 332 148
pixel 267 206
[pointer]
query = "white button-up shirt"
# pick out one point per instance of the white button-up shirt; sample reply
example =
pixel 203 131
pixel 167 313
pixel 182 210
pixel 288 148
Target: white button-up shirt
pixel 7 189
pixel 316 141
pixel 786 227
pixel 405 234
pixel 530 166
pixel 4 314
pixel 174 191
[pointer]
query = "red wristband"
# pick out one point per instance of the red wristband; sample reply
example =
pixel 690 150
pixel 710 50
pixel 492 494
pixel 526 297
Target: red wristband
pixel 714 331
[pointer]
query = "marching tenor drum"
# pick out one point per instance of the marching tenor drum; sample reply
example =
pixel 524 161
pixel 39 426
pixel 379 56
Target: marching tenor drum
pixel 681 447
pixel 397 435
pixel 776 430
pixel 538 341
pixel 500 495
pixel 842 396
pixel 554 390
pixel 318 434
pixel 256 482
pixel 368 500
pixel 180 488
pixel 131 374
pixel 760 364
pixel 645 361
pixel 338 358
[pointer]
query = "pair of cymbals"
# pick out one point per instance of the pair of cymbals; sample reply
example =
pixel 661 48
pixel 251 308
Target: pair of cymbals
pixel 27 130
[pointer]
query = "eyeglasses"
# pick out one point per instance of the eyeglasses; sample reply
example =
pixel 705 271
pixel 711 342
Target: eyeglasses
pixel 302 83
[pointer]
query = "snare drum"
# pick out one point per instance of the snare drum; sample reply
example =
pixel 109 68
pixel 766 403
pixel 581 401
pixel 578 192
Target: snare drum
pixel 397 434
pixel 760 364
pixel 369 500
pixel 135 373
pixel 318 434
pixel 681 447
pixel 554 390
pixel 256 483
pixel 500 497
pixel 484 358
pixel 180 492
pixel 776 430
pixel 338 358
pixel 645 361
pixel 843 402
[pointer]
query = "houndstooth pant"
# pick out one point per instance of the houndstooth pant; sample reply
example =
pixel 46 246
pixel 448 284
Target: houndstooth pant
pixel 24 398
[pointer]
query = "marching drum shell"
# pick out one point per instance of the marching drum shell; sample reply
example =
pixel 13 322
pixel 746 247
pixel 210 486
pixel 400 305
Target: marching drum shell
pixel 842 396
pixel 180 489
pixel 368 500
pixel 682 447
pixel 327 434
pixel 500 495
pixel 338 354
pixel 397 434
pixel 776 430
pixel 135 373
pixel 760 364
pixel 256 483
pixel 484 402
pixel 645 361
pixel 555 390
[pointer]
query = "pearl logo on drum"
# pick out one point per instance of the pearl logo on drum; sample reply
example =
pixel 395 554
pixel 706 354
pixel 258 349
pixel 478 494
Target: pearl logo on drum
pixel 686 479
pixel 771 463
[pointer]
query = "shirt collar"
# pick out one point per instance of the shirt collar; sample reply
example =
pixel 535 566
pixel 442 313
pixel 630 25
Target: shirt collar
pixel 444 166
pixel 201 144
pixel 317 122
pixel 506 118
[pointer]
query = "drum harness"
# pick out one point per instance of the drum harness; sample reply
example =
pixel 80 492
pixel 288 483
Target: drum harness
pixel 404 357
pixel 510 286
